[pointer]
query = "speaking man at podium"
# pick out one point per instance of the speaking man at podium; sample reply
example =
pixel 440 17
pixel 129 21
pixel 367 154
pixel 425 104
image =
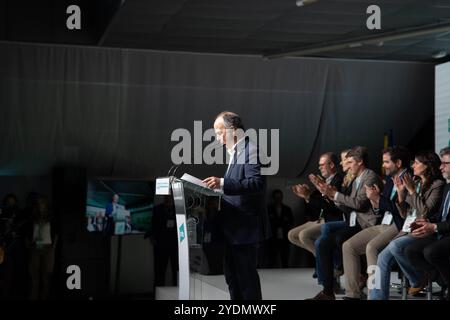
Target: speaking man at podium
pixel 243 218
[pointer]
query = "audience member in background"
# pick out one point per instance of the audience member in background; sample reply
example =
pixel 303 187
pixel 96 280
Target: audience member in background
pixel 16 251
pixel 6 263
pixel 22 224
pixel 372 240
pixel 10 207
pixel 43 238
pixel 431 251
pixel 163 235
pixel 319 209
pixel 423 197
pixel 357 205
pixel 281 220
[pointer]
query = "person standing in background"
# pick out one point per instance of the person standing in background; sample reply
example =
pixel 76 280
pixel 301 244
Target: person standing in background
pixel 281 220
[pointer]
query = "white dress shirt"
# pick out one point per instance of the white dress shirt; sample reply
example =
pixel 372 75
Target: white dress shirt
pixel 232 153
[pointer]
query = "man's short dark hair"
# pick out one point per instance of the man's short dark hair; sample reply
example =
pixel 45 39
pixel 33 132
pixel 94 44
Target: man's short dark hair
pixel 231 120
pixel 332 157
pixel 399 153
pixel 445 152
pixel 360 154
pixel 345 152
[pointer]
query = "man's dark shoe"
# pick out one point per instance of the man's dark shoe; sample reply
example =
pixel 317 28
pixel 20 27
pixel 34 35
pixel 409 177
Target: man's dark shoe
pixel 322 296
pixel 350 298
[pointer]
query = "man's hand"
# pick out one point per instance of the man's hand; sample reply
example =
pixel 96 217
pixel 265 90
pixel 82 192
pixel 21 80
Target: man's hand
pixel 409 183
pixel 425 229
pixel 399 184
pixel 315 180
pixel 302 191
pixel 331 192
pixel 212 182
pixel 327 190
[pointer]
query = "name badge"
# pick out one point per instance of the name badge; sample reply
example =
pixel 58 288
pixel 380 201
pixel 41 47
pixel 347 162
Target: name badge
pixel 387 219
pixel 353 219
pixel 410 219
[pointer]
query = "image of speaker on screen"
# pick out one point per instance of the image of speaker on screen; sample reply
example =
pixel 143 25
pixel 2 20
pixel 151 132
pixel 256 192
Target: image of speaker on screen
pixel 114 215
pixel 119 207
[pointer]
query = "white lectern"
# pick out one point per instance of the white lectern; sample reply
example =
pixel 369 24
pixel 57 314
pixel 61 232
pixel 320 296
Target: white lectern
pixel 190 201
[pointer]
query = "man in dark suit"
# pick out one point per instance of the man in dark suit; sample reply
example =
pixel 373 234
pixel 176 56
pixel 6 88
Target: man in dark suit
pixel 243 217
pixel 319 209
pixel 432 250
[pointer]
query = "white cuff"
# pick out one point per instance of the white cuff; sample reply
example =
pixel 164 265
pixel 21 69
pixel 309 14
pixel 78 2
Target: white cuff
pixel 221 183
pixel 335 196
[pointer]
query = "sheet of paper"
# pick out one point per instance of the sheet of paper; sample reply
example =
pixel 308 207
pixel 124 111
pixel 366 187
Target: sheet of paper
pixel 194 180
pixel 187 177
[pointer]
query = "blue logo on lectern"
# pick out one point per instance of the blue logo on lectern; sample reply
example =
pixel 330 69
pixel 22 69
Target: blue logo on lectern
pixel 181 232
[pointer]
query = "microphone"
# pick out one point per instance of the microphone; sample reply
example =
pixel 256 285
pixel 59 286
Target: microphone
pixel 171 168
pixel 176 168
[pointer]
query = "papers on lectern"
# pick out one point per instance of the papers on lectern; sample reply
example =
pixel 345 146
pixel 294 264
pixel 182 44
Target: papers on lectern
pixel 187 177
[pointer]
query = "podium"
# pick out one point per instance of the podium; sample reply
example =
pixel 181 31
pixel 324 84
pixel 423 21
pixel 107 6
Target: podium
pixel 195 207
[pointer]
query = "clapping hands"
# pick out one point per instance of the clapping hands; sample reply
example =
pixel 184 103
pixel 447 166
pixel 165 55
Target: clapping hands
pixel 409 183
pixel 302 191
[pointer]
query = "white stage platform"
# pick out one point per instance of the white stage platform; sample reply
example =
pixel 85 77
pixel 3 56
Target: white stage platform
pixel 277 284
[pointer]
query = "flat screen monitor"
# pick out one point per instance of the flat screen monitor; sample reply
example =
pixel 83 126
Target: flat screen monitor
pixel 119 207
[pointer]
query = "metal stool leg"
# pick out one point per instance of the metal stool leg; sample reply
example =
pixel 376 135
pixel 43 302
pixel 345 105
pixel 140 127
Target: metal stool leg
pixel 404 287
pixel 430 290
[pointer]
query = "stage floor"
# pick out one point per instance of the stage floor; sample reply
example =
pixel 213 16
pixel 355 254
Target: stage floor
pixel 277 284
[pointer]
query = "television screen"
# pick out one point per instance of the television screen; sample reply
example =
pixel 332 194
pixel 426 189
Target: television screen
pixel 117 207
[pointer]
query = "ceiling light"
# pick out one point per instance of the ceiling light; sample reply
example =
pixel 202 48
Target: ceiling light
pixel 301 3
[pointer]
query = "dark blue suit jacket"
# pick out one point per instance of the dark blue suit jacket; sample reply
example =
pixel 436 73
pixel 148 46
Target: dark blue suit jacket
pixel 243 215
pixel 443 226
pixel 386 204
